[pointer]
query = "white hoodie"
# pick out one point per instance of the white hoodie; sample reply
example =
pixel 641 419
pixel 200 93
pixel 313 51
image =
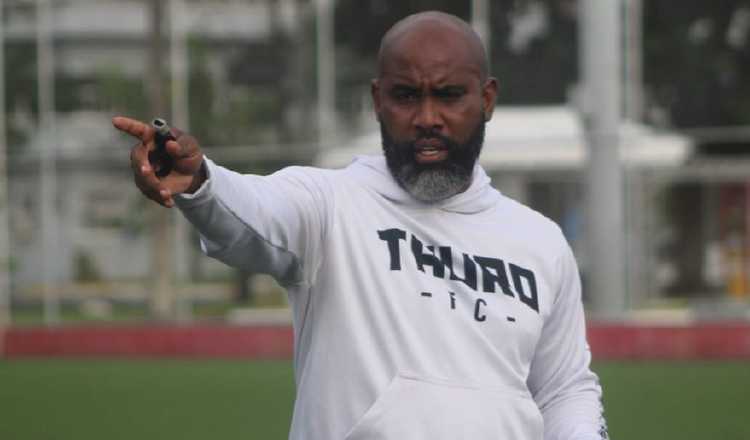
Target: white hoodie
pixel 455 320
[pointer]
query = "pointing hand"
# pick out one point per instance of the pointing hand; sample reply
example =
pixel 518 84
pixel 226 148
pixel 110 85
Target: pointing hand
pixel 187 173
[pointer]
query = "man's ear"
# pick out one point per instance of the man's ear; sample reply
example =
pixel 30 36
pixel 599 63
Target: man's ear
pixel 375 93
pixel 489 96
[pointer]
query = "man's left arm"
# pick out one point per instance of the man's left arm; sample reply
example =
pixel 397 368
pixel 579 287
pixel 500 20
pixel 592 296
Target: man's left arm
pixel 565 389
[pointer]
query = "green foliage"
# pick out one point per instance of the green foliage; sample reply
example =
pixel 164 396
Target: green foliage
pixel 84 267
pixel 20 79
pixel 692 65
pixel 236 114
pixel 20 89
pixel 543 70
pixel 360 25
pixel 114 92
pixel 693 68
pixel 541 73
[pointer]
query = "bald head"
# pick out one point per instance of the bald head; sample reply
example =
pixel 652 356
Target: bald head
pixel 438 25
pixel 432 97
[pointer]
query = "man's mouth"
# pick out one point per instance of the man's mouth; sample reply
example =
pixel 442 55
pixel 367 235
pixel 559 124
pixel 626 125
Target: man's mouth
pixel 430 151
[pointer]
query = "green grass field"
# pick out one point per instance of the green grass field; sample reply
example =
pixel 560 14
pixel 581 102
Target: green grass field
pixel 82 400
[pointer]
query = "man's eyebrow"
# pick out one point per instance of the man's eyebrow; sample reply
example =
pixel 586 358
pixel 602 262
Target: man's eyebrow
pixel 403 87
pixel 450 89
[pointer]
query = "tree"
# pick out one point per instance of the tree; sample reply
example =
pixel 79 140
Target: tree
pixel 697 58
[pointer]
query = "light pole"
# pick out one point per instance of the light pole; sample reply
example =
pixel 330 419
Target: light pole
pixel 162 297
pixel 600 23
pixel 180 106
pixel 480 21
pixel 326 75
pixel 5 314
pixel 48 157
pixel 634 96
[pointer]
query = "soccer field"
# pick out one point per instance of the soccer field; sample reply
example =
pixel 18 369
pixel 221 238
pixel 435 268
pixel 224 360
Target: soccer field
pixel 124 399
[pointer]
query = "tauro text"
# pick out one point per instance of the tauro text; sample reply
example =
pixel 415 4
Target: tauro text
pixel 511 279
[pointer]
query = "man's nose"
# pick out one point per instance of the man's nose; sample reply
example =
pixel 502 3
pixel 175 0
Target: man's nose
pixel 428 116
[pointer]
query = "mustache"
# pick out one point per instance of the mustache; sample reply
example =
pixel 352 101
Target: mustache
pixel 431 134
pixel 448 143
pixel 461 154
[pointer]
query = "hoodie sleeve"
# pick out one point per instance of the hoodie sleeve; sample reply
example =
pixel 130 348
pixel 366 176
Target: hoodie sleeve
pixel 262 224
pixel 565 389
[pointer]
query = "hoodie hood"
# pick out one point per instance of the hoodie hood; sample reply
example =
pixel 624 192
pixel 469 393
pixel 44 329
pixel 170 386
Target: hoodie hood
pixel 373 172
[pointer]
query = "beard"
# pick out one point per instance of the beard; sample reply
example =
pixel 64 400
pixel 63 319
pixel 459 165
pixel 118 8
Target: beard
pixel 432 182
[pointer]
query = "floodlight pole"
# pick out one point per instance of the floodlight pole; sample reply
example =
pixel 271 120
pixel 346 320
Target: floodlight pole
pixel 5 299
pixel 480 21
pixel 326 75
pixel 600 44
pixel 48 153
pixel 634 95
pixel 180 105
pixel 162 297
pixel 178 64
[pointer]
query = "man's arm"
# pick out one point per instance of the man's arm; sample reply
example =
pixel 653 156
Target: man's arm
pixel 260 224
pixel 564 387
pixel 271 224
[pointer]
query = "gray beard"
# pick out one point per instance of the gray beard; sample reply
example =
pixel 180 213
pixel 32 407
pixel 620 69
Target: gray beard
pixel 435 182
pixel 433 185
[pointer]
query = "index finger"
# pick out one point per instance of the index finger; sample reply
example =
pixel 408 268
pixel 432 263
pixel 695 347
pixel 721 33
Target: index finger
pixel 133 127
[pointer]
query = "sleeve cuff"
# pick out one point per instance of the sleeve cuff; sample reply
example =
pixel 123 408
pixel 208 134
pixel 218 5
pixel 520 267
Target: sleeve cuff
pixel 203 192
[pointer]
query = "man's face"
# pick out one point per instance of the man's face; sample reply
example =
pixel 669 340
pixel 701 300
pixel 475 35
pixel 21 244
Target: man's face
pixel 432 106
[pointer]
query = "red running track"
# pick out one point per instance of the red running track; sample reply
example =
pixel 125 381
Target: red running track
pixel 267 342
pixel 608 341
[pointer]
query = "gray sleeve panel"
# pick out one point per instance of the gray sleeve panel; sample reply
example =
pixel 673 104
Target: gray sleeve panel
pixel 273 224
pixel 227 238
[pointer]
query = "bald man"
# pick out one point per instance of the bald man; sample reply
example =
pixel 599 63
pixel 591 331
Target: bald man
pixel 426 305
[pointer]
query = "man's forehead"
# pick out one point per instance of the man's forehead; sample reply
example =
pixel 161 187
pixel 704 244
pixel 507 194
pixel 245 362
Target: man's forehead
pixel 434 38
pixel 403 70
pixel 431 58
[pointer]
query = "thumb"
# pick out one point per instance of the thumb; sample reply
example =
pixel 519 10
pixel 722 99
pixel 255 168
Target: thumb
pixel 186 153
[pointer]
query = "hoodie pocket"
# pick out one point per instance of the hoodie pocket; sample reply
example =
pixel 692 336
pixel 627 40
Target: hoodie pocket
pixel 416 408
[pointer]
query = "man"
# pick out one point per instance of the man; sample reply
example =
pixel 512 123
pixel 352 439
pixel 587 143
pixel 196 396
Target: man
pixel 426 304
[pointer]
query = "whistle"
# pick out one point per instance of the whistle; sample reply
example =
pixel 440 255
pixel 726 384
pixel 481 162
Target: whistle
pixel 160 160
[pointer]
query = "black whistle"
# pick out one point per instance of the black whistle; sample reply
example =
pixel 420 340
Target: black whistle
pixel 160 160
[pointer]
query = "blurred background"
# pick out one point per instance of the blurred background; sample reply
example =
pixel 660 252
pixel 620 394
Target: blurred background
pixel 661 231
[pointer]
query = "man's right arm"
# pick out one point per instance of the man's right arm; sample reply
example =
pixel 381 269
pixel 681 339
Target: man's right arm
pixel 271 224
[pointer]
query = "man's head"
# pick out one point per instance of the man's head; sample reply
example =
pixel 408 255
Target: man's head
pixel 433 96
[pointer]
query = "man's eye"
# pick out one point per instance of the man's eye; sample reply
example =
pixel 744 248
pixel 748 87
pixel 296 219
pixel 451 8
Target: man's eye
pixel 449 94
pixel 406 95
